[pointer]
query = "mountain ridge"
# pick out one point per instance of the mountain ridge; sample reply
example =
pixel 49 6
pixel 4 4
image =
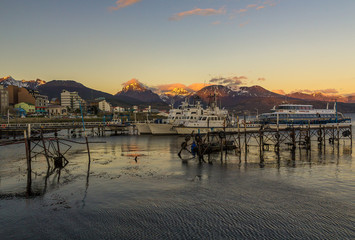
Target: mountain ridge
pixel 136 93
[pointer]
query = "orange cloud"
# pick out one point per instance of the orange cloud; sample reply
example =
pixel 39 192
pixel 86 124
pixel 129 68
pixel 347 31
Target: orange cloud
pixel 123 4
pixel 198 86
pixel 260 7
pixel 241 10
pixel 261 79
pixel 198 11
pixel 251 5
pixel 216 22
pixel 271 2
pixel 244 23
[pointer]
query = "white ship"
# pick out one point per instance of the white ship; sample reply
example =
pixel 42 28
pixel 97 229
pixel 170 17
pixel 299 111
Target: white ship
pixel 302 114
pixel 143 127
pixel 207 120
pixel 186 112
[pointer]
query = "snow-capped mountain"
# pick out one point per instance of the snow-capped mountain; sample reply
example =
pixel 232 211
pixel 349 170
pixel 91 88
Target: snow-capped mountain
pixel 318 96
pixel 137 91
pixel 32 84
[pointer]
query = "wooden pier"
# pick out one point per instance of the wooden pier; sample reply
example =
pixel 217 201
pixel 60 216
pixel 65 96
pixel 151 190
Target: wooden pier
pixel 266 138
pixel 73 128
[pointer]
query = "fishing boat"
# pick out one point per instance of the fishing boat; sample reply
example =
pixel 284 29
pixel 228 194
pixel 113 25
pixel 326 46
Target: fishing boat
pixel 302 114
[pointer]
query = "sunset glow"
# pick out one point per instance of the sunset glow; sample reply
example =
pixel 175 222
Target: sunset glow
pixel 281 45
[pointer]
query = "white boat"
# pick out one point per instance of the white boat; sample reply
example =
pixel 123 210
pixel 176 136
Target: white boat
pixel 162 128
pixel 211 119
pixel 186 112
pixel 143 127
pixel 302 114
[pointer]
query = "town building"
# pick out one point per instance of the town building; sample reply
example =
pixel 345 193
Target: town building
pixel 41 101
pixel 19 95
pixel 57 110
pixel 147 110
pixel 118 109
pixel 104 106
pixel 71 100
pixel 13 94
pixel 54 101
pixel 26 107
pixel 4 100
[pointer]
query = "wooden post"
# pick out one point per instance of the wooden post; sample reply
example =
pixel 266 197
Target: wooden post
pixel 238 126
pixel 351 137
pixel 245 136
pixel 309 134
pixel 261 141
pixel 293 139
pixel 338 134
pixel 28 160
pixel 324 137
pixel 45 149
pixel 221 139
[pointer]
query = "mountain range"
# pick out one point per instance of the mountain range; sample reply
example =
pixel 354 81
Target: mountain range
pixel 254 98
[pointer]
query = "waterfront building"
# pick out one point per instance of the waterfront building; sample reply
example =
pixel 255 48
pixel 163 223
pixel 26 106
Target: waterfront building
pixel 55 101
pixel 104 106
pixel 4 100
pixel 41 101
pixel 71 100
pixel 27 107
pixel 147 110
pixel 19 95
pixel 13 94
pixel 57 110
pixel 118 109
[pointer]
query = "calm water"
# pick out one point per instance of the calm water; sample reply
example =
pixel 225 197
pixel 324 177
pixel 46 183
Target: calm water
pixel 159 197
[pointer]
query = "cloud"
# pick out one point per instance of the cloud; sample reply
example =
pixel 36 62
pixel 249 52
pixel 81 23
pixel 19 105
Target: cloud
pixel 230 82
pixel 261 79
pixel 198 11
pixel 241 10
pixel 271 2
pixel 328 91
pixel 260 7
pixel 123 4
pixel 197 86
pixel 325 91
pixel 251 5
pixel 244 23
pixel 216 23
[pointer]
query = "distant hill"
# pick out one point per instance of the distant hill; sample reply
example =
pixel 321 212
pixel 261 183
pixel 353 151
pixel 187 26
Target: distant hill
pixel 54 88
pixel 318 96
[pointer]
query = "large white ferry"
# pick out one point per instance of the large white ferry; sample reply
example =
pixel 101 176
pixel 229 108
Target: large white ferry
pixel 302 114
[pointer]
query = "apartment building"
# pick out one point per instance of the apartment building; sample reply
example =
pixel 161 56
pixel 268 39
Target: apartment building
pixel 71 100
pixel 4 100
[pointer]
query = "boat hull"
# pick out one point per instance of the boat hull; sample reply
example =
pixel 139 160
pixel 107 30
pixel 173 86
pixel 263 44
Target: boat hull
pixel 143 128
pixel 162 129
pixel 203 130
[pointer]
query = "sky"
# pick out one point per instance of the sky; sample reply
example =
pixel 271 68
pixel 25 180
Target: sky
pixel 284 45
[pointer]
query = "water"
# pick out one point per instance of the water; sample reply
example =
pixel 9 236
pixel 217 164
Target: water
pixel 305 196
